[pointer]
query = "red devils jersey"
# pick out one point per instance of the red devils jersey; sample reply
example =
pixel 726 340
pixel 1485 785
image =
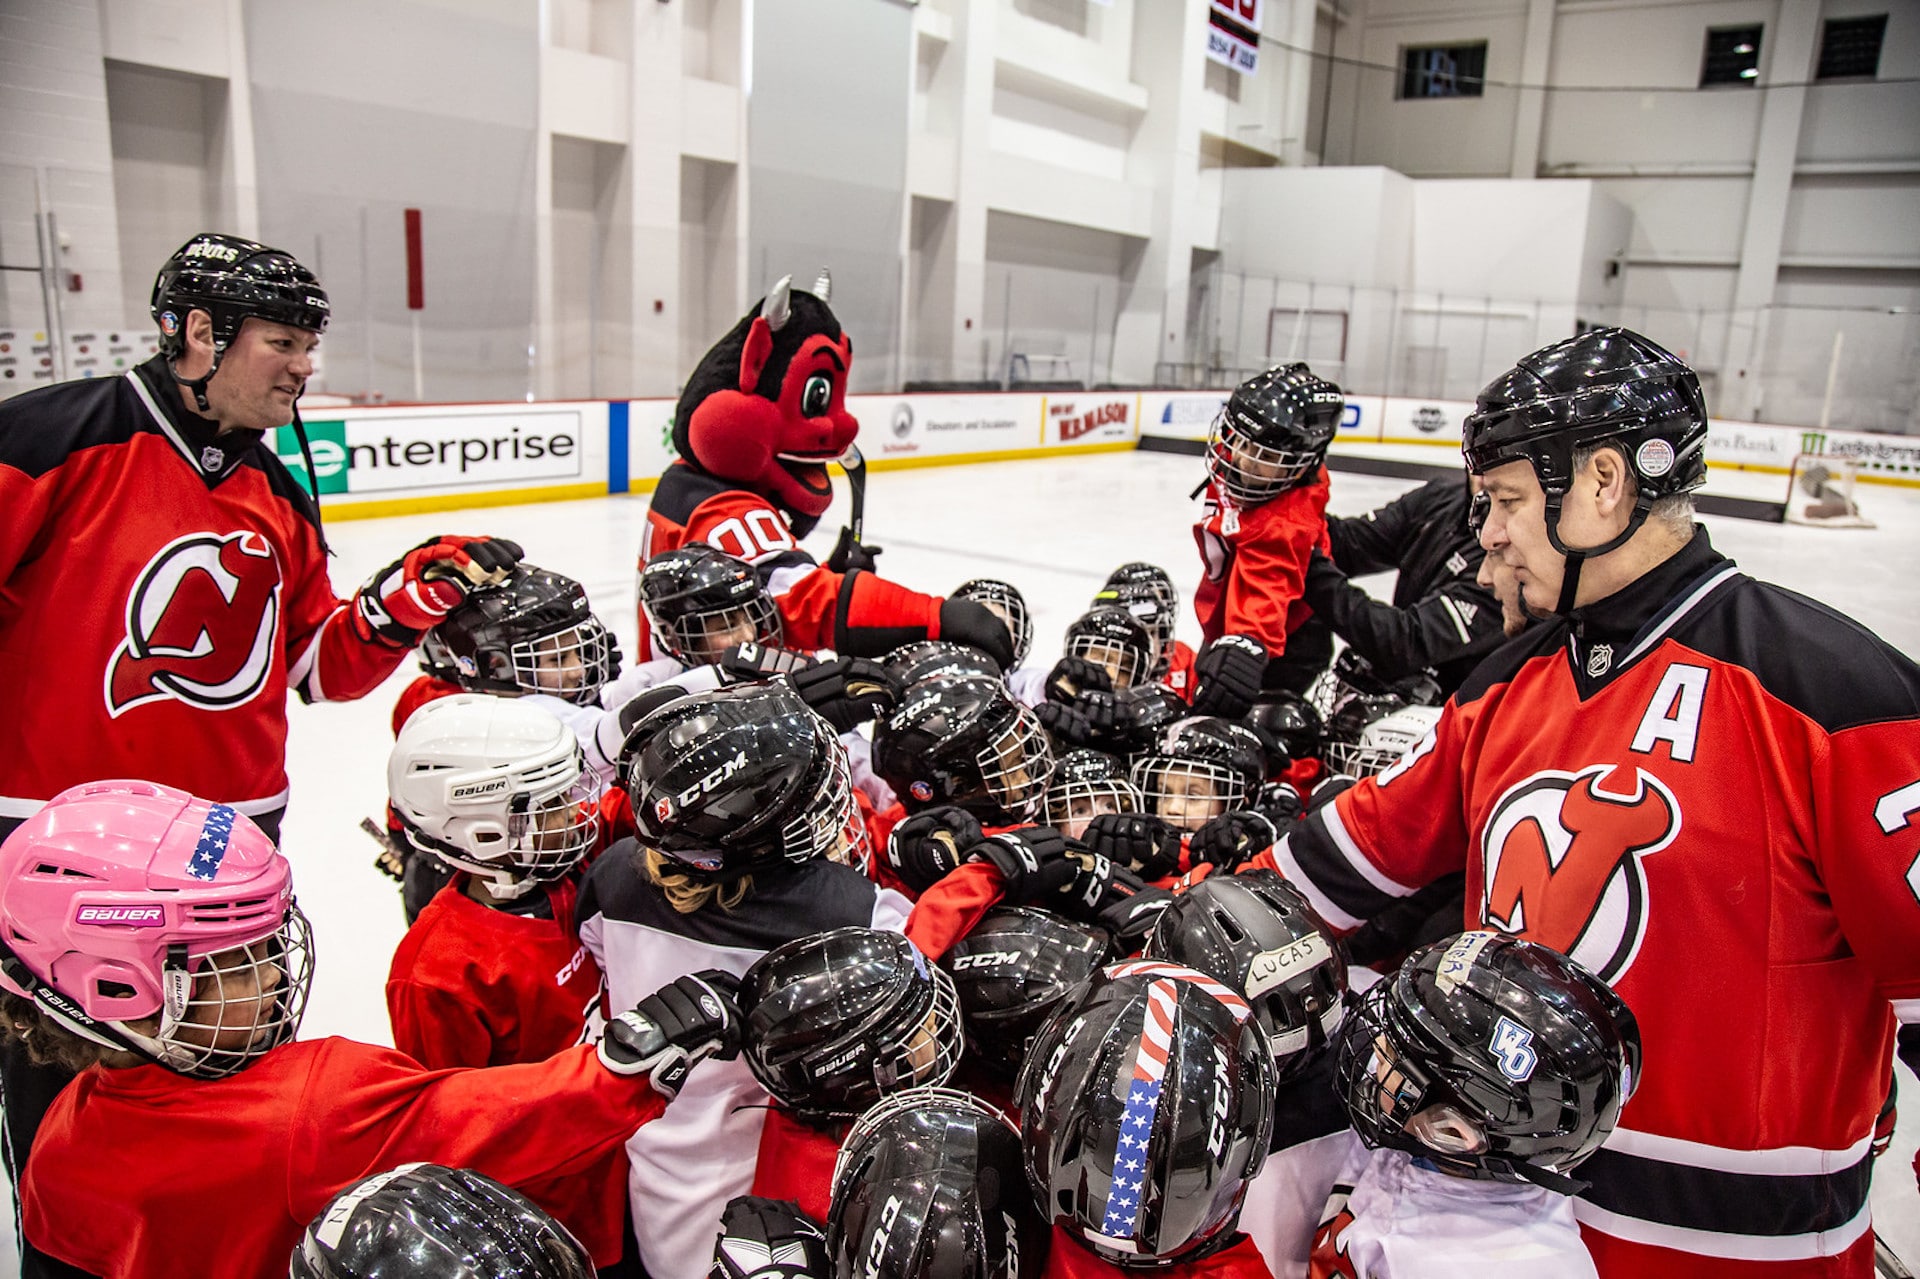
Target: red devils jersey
pixel 1255 563
pixel 161 588
pixel 1707 790
pixel 136 1170
pixel 474 986
pixel 1179 672
pixel 1067 1259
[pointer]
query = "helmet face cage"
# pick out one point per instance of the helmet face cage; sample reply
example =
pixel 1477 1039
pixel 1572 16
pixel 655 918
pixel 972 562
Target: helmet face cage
pixel 908 1101
pixel 1384 1086
pixel 226 1010
pixel 1248 470
pixel 1149 606
pixel 1129 665
pixel 1382 741
pixel 1188 793
pixel 573 664
pixel 1072 802
pixel 1007 604
pixel 534 831
pixel 701 636
pixel 829 824
pixel 1016 765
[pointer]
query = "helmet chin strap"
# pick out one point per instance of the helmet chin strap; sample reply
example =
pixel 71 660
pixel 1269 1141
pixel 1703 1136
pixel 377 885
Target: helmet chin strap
pixel 1577 556
pixel 198 385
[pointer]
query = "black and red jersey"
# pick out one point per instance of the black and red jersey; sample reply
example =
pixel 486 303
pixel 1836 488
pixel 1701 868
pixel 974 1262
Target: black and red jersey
pixel 161 588
pixel 1707 790
pixel 1254 568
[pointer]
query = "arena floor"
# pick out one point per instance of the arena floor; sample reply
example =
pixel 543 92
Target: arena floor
pixel 1054 528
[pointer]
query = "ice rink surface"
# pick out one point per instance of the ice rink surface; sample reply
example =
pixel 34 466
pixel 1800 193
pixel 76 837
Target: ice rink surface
pixel 1054 528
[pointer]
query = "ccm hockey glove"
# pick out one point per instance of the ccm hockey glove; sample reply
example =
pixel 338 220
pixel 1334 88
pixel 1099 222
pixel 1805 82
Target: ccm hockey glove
pixel 1145 845
pixel 847 691
pixel 1033 860
pixel 1073 677
pixel 1114 898
pixel 416 591
pixel 926 847
pixel 1227 676
pixel 971 622
pixel 675 1028
pixel 1233 838
pixel 769 1239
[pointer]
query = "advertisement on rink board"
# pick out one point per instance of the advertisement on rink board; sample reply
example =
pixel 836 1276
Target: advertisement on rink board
pixel 1090 418
pixel 430 448
pixel 903 426
pixel 1188 415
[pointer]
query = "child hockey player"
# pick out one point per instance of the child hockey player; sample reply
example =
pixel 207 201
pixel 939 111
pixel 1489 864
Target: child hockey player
pixel 1266 509
pixel 1481 1075
pixel 746 822
pixel 153 943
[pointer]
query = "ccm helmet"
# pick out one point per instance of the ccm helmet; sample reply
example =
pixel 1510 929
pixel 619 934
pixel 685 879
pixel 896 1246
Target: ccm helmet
pixel 922 660
pixel 533 633
pixel 423 1221
pixel 1146 1112
pixel 1256 933
pixel 837 1020
pixel 1005 602
pixel 1273 432
pixel 929 1185
pixel 1493 1057
pixel 123 900
pixel 1371 731
pixel 494 787
pixel 1016 968
pixel 964 740
pixel 700 601
pixel 727 780
pixel 231 279
pixel 1290 722
pixel 1604 386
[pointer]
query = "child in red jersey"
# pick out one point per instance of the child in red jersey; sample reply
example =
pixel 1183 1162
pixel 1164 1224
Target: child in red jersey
pixel 1266 510
pixel 493 971
pixel 153 944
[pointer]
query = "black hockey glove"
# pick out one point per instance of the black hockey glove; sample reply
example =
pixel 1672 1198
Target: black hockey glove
pixel 926 847
pixel 416 591
pixel 769 1239
pixel 751 662
pixel 1227 676
pixel 1093 719
pixel 1145 845
pixel 1114 898
pixel 1072 677
pixel 849 554
pixel 847 691
pixel 680 1025
pixel 1280 802
pixel 1234 838
pixel 971 622
pixel 1145 710
pixel 1032 859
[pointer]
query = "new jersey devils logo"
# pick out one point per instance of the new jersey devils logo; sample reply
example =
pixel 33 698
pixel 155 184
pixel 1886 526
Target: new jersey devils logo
pixel 1562 855
pixel 202 619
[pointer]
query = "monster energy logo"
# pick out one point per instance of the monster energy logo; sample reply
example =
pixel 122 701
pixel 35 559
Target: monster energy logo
pixel 1813 441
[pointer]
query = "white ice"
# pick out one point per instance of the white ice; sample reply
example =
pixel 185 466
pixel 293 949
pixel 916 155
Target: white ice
pixel 1054 528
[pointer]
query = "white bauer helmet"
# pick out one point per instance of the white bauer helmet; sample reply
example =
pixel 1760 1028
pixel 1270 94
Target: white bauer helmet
pixel 495 787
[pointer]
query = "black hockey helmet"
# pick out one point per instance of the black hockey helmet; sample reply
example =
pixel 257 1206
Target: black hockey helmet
pixel 738 777
pixel 964 740
pixel 1371 731
pixel 1290 721
pixel 1604 386
pixel 1255 932
pixel 1086 783
pixel 840 1019
pixel 1148 711
pixel 423 1221
pixel 1005 602
pixel 1146 591
pixel 1273 432
pixel 533 633
pixel 929 1184
pixel 1112 637
pixel 1150 577
pixel 923 660
pixel 1200 767
pixel 231 279
pixel 1491 1056
pixel 699 601
pixel 1016 968
pixel 1146 1112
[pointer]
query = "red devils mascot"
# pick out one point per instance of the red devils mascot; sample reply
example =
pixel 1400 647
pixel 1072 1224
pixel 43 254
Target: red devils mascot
pixel 762 415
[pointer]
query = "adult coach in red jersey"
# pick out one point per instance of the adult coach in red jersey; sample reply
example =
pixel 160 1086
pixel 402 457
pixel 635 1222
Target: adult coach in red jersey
pixel 163 581
pixel 1704 788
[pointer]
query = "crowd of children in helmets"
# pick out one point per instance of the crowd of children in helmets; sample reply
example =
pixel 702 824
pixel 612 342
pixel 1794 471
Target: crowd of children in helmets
pixel 930 963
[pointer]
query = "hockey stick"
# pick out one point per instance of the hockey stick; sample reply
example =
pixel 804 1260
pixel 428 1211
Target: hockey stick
pixel 855 465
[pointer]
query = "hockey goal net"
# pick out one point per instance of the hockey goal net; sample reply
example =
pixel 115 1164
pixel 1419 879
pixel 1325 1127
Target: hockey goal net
pixel 1820 493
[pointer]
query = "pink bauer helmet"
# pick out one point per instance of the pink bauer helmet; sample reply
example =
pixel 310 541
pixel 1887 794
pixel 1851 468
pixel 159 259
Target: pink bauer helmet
pixel 115 901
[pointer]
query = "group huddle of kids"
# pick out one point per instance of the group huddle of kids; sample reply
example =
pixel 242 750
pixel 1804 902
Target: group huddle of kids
pixel 930 968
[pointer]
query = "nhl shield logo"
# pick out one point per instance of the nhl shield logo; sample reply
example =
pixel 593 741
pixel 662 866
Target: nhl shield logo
pixel 1561 861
